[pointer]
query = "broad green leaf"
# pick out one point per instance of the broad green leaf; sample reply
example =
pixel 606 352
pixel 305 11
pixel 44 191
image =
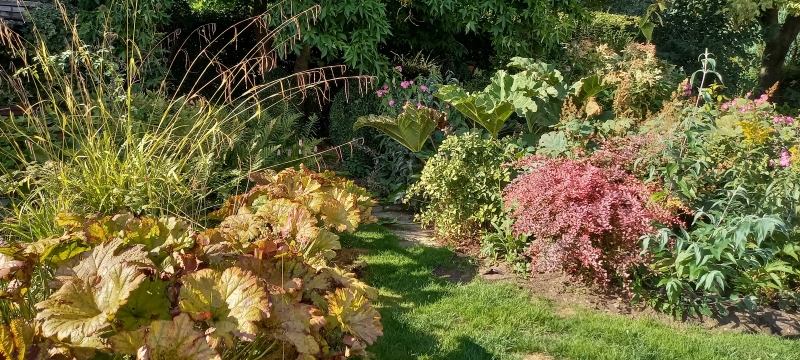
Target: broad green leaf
pixel 411 129
pixel 292 219
pixel 84 307
pixel 487 109
pixel 355 315
pixel 163 339
pixel 230 301
pixel 727 126
pixel 647 30
pixel 144 231
pixel 145 304
pixel 553 144
pixel 70 221
pixel 349 281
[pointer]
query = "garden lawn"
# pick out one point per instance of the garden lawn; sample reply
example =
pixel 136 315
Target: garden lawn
pixel 426 317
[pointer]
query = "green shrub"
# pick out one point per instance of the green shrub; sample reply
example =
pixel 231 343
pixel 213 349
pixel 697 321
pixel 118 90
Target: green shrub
pixel 615 30
pixel 737 164
pixel 460 187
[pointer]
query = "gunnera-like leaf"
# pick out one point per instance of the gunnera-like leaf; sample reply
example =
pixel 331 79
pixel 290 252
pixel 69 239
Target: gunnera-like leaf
pixel 349 280
pixel 484 108
pixel 241 228
pixel 411 129
pixel 355 314
pixel 84 307
pixel 20 341
pixel 231 301
pixel 174 339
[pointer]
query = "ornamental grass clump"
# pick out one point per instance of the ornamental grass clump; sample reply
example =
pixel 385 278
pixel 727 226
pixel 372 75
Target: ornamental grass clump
pixel 586 220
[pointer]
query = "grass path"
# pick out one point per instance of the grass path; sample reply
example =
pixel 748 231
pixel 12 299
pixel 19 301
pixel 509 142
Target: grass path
pixel 425 317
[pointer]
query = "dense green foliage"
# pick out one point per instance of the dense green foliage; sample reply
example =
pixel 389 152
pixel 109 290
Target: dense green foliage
pixel 460 185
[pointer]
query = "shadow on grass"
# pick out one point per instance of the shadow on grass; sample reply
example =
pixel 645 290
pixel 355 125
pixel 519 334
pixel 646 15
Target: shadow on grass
pixel 406 279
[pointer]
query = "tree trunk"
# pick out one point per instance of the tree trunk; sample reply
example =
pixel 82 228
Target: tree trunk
pixel 779 39
pixel 301 63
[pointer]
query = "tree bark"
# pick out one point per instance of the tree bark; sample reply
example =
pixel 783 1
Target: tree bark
pixel 301 63
pixel 779 39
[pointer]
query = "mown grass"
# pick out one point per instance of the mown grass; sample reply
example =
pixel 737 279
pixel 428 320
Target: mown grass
pixel 426 317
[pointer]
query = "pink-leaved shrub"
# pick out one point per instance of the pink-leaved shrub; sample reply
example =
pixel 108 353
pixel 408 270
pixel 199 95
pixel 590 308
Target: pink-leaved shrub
pixel 586 220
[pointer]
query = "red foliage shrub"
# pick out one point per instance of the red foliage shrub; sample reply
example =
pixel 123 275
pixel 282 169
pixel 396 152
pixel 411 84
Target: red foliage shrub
pixel 586 220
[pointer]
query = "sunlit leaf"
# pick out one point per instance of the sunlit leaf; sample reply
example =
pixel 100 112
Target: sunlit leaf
pixel 163 339
pixel 84 307
pixel 411 129
pixel 145 304
pixel 231 301
pixel 355 315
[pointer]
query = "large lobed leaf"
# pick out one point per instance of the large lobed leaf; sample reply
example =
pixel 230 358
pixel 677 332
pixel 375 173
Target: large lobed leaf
pixel 164 339
pixel 232 302
pixel 355 315
pixel 411 129
pixel 488 109
pixel 83 309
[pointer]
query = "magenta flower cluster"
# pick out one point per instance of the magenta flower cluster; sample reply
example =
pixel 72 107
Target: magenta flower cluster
pixel 743 106
pixel 406 84
pixel 786 159
pixel 783 120
pixel 383 91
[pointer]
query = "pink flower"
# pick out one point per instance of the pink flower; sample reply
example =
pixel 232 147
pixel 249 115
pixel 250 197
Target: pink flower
pixel 404 84
pixel 385 86
pixel 748 95
pixel 423 88
pixel 300 142
pixel 399 68
pixel 771 163
pixel 411 82
pixel 380 93
pixel 789 120
pixel 391 102
pixel 777 119
pixel 725 106
pixel 419 105
pixel 315 149
pixel 786 159
pixel 279 152
pixel 447 106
